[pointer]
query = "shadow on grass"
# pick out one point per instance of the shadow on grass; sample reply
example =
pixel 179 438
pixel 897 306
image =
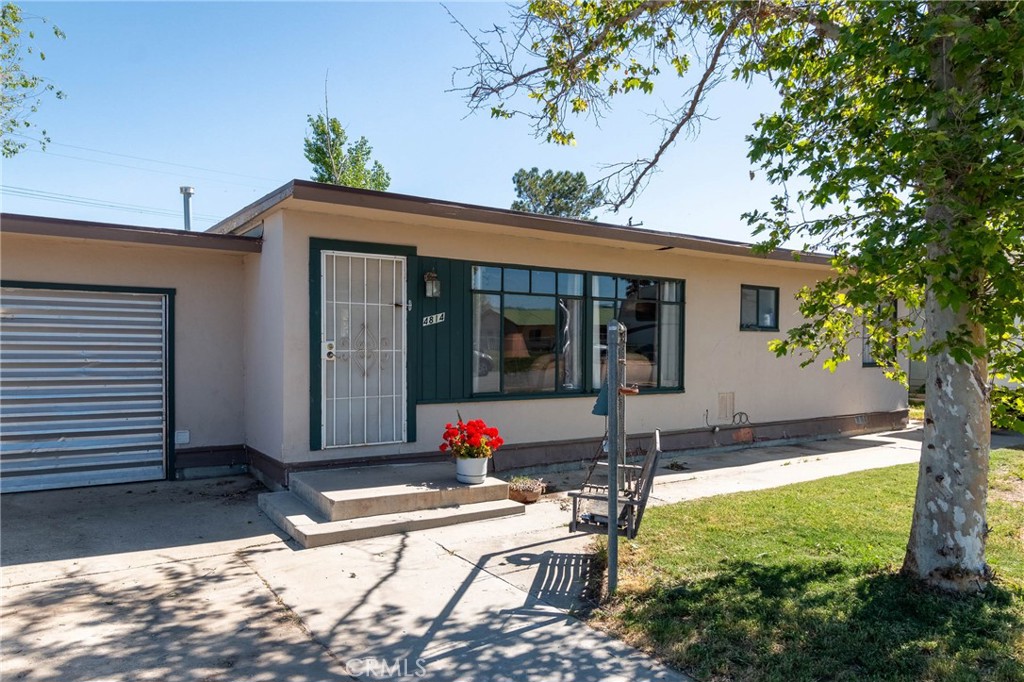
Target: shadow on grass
pixel 826 621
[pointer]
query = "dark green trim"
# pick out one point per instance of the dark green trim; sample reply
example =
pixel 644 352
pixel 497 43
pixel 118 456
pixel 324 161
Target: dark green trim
pixel 682 338
pixel 172 455
pixel 317 246
pixel 368 248
pixel 315 371
pixel 468 360
pixel 168 294
pixel 502 397
pixel 84 287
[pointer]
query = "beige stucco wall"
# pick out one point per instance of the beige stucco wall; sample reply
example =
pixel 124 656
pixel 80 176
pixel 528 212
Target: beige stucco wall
pixel 208 339
pixel 264 342
pixel 718 357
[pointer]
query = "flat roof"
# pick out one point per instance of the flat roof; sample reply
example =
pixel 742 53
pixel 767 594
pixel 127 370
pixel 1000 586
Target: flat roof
pixel 80 229
pixel 305 190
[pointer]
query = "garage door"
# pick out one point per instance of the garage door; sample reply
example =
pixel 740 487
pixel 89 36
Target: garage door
pixel 83 379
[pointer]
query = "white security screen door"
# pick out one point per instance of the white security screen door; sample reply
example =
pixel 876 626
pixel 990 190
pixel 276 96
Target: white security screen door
pixel 362 349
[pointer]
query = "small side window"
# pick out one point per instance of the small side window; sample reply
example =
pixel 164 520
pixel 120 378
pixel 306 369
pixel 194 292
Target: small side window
pixel 868 358
pixel 759 308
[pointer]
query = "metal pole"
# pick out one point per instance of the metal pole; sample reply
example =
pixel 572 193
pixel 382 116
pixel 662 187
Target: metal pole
pixel 186 194
pixel 616 442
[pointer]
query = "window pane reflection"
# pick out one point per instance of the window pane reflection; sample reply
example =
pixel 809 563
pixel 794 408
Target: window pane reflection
pixel 486 343
pixel 529 344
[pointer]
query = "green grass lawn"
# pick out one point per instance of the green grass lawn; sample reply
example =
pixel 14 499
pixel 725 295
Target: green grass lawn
pixel 801 583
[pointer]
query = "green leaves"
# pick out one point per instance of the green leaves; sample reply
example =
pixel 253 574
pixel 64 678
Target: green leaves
pixel 335 164
pixel 881 149
pixel 21 93
pixel 564 193
pixel 898 146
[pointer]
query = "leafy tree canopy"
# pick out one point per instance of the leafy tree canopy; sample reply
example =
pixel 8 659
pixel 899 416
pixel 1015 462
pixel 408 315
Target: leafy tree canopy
pixel 20 92
pixel 898 147
pixel 335 164
pixel 564 194
pixel 862 127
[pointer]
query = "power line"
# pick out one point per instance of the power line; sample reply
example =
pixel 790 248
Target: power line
pixel 96 203
pixel 176 174
pixel 142 158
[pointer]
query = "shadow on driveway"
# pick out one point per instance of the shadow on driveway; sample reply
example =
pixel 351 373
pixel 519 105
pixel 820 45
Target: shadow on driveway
pixel 205 619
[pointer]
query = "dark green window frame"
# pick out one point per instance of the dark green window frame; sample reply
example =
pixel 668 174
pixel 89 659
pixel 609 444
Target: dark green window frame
pixel 506 282
pixel 632 299
pixel 501 280
pixel 761 292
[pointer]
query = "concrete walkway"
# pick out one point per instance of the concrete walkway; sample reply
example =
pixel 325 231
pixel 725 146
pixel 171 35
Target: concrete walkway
pixel 189 581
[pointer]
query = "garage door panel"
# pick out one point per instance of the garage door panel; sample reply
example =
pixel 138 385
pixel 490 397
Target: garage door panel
pixel 88 475
pixel 37 352
pixel 82 388
pixel 51 409
pixel 53 451
pixel 87 369
pixel 86 424
pixel 80 328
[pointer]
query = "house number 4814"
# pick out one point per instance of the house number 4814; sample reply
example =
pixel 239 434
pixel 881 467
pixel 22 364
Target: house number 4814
pixel 433 319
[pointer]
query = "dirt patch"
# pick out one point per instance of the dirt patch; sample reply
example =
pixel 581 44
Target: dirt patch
pixel 242 490
pixel 1010 489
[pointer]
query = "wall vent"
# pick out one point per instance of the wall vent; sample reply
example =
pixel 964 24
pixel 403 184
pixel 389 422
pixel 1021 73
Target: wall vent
pixel 726 406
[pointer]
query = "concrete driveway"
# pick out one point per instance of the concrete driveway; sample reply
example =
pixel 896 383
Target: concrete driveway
pixel 189 581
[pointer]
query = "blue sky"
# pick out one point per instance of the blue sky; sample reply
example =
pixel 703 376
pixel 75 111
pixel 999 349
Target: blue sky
pixel 215 95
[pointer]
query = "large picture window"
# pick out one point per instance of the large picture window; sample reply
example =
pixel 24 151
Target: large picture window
pixel 534 331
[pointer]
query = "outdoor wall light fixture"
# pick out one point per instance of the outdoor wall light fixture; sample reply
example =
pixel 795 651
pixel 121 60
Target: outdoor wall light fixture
pixel 432 285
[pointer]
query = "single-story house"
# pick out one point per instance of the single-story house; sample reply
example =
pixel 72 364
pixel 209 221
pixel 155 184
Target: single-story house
pixel 327 326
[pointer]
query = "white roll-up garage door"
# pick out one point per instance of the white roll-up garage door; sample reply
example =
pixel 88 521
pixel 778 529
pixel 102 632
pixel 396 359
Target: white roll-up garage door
pixel 83 383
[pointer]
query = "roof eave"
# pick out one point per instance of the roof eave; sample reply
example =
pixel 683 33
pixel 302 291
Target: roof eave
pixel 15 223
pixel 304 190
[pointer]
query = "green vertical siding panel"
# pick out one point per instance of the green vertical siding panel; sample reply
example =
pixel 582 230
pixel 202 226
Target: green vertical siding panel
pixel 443 333
pixel 444 355
pixel 428 335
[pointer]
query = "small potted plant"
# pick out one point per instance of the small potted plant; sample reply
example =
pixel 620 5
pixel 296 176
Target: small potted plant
pixel 525 489
pixel 472 443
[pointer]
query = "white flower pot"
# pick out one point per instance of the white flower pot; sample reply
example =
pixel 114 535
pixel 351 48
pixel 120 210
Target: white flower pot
pixel 471 470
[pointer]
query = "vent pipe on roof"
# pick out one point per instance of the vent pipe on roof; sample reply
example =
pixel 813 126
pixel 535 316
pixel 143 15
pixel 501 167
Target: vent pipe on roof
pixel 186 193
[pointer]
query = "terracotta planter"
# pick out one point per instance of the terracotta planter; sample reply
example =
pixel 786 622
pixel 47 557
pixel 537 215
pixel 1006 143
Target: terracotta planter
pixel 524 496
pixel 471 470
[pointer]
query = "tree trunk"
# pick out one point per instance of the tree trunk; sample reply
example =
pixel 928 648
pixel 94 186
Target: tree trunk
pixel 947 537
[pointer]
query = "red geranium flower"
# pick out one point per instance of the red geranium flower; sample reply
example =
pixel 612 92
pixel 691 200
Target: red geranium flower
pixel 471 439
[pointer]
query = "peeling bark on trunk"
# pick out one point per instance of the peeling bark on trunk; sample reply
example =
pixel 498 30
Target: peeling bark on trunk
pixel 947 538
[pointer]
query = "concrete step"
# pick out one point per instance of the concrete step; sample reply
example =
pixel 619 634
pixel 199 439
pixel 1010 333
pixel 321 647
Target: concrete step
pixel 339 494
pixel 310 529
